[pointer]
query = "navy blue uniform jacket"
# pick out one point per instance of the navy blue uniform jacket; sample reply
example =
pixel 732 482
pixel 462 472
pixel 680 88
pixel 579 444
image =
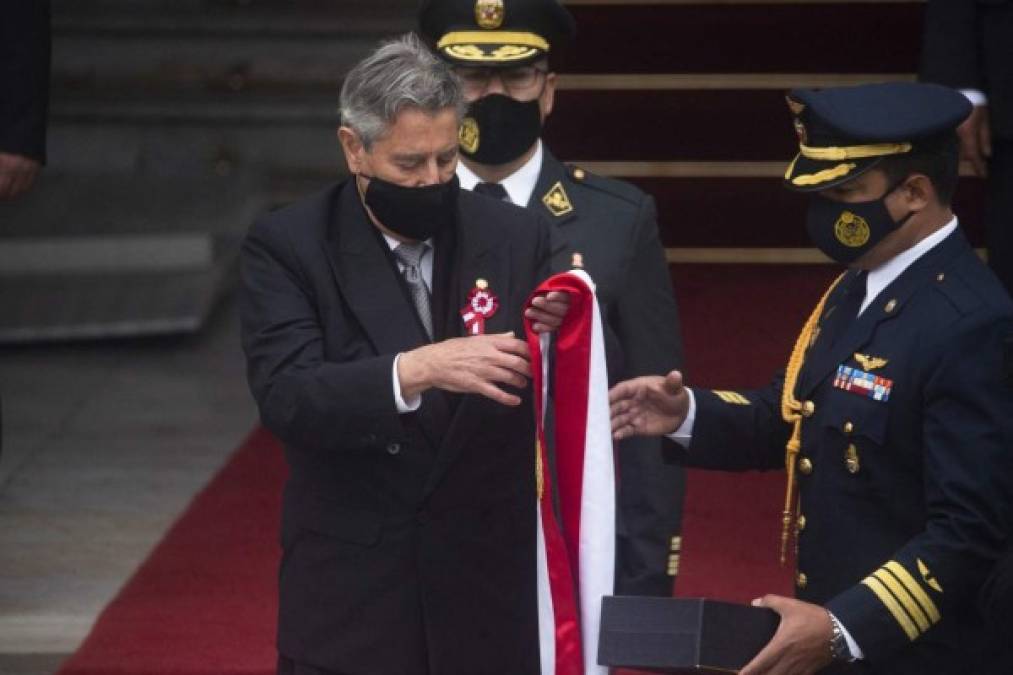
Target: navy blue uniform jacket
pixel 897 541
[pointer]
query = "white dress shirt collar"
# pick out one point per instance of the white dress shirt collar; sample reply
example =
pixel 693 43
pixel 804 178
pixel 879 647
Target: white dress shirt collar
pixel 885 274
pixel 519 185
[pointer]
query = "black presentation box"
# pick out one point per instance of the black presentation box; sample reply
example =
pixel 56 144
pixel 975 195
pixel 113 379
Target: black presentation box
pixel 677 635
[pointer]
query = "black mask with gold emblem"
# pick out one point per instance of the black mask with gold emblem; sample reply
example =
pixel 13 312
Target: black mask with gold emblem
pixel 847 231
pixel 498 129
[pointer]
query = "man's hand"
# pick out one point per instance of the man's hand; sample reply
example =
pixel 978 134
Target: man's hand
pixel 800 646
pixel 976 140
pixel 470 365
pixel 648 406
pixel 17 173
pixel 547 311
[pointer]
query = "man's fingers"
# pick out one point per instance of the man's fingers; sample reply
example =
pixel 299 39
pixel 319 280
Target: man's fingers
pixel 505 376
pixel 507 343
pixel 985 133
pixel 672 383
pixel 496 394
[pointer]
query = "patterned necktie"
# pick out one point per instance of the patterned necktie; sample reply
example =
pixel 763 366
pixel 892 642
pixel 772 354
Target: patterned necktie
pixel 410 255
pixel 494 190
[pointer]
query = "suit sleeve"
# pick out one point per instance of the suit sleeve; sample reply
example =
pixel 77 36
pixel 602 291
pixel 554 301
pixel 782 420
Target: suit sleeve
pixel 950 46
pixel 24 78
pixel 736 431
pixel 968 475
pixel 305 400
pixel 647 320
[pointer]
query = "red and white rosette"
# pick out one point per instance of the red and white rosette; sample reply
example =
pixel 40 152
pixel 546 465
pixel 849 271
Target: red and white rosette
pixel 481 305
pixel 576 549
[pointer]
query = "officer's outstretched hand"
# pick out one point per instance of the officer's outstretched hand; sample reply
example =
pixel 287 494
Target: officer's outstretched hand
pixel 651 405
pixel 801 645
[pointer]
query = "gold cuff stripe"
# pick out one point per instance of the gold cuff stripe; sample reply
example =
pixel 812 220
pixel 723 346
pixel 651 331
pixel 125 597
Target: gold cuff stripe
pixel 905 598
pixel 492 37
pixel 915 589
pixel 839 154
pixel 732 397
pixel 823 176
pixel 899 615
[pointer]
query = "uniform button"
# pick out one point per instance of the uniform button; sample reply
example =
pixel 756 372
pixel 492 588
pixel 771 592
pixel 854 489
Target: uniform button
pixel 849 428
pixel 578 174
pixel 890 306
pixel 941 276
pixel 393 448
pixel 808 409
pixel 805 465
pixel 801 522
pixel 801 580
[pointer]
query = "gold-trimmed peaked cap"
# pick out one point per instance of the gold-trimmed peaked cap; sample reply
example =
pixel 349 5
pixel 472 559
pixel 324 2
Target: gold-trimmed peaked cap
pixel 845 131
pixel 495 33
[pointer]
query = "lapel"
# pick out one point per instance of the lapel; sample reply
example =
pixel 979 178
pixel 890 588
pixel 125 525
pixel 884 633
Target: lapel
pixel 367 277
pixel 887 306
pixel 478 254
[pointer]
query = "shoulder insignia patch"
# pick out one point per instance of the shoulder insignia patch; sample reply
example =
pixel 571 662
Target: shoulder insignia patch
pixel 870 362
pixel 557 201
pixel 732 397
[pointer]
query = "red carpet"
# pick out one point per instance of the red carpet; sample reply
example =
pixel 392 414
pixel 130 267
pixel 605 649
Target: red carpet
pixel 204 601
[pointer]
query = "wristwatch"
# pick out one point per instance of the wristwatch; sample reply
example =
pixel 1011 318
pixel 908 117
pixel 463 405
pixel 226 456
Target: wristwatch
pixel 839 650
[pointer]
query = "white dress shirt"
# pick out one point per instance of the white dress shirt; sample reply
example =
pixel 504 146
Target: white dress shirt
pixel 519 185
pixel 878 279
pixel 426 264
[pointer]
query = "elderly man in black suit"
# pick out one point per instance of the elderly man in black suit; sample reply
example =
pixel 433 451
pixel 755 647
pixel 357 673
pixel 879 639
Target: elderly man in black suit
pixel 408 527
pixel 24 94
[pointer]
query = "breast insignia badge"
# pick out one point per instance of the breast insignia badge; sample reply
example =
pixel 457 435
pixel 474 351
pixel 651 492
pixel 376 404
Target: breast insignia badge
pixel 482 304
pixel 557 201
pixel 870 362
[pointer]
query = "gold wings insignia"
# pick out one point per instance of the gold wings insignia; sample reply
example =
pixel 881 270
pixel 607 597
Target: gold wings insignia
pixel 870 362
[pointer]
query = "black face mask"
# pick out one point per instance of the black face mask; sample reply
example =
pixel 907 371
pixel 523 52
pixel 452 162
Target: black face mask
pixel 416 213
pixel 845 232
pixel 499 129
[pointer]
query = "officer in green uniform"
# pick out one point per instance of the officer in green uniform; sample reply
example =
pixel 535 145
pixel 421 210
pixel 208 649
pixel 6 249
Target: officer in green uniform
pixel 500 49
pixel 894 417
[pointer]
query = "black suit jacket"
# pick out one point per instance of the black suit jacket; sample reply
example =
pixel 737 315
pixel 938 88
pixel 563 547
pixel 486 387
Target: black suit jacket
pixel 408 540
pixel 967 46
pixel 24 77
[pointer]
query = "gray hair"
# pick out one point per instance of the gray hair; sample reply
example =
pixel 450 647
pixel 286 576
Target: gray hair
pixel 401 73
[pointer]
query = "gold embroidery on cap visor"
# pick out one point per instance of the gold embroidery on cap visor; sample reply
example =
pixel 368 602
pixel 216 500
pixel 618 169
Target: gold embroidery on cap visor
pixel 839 154
pixel 468 136
pixel 489 13
pixel 492 46
pixel 824 176
pixel 852 230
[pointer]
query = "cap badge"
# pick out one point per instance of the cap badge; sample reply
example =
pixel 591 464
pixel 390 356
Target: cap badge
pixel 468 135
pixel 489 13
pixel 852 230
pixel 557 201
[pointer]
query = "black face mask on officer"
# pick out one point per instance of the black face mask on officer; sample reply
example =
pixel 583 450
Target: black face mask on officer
pixel 498 129
pixel 847 231
pixel 416 213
